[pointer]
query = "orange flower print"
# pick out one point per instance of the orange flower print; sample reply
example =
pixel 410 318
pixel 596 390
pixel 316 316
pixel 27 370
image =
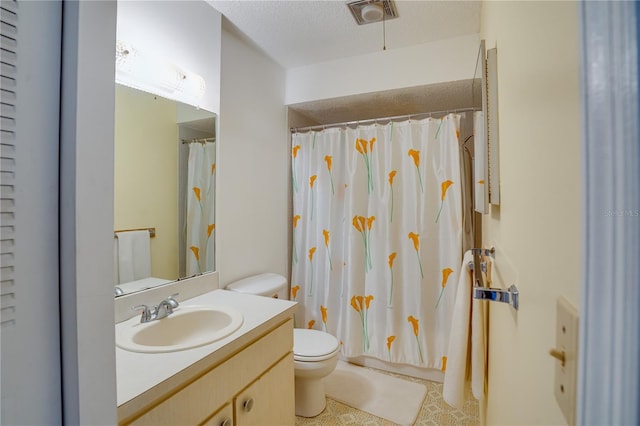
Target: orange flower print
pixel 445 277
pixel 294 154
pixel 444 364
pixel 310 324
pixel 312 250
pixel 328 159
pixel 326 234
pixel 414 324
pixel 323 311
pixel 444 187
pixel 213 168
pixel 392 257
pixel 296 218
pixel 366 151
pixel 210 229
pixel 363 225
pixel 361 305
pixel 196 191
pixel 312 180
pixel 196 253
pixel 416 245
pixel 294 295
pixel 392 174
pixel 416 161
pixel 390 340
pixel 294 292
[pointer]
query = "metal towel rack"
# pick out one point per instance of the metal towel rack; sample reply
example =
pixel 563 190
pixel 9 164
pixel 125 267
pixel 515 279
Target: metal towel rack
pixel 510 296
pixel 152 231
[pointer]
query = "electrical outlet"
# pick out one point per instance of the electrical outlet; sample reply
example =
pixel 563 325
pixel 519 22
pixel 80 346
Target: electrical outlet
pixel 566 354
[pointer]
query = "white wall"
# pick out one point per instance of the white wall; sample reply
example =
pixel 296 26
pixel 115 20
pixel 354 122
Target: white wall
pixel 187 33
pixel 429 63
pixel 253 153
pixel 86 213
pixel 537 227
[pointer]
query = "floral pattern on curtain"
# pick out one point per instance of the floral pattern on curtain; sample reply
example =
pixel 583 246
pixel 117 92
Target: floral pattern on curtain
pixel 377 236
pixel 201 226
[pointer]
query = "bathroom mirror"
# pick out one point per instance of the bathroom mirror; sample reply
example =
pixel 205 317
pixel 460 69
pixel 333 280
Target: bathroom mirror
pixel 480 178
pixel 164 188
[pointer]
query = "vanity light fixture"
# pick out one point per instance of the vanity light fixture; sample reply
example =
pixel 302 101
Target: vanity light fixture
pixel 154 75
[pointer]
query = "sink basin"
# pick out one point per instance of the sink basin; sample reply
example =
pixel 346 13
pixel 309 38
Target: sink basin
pixel 186 328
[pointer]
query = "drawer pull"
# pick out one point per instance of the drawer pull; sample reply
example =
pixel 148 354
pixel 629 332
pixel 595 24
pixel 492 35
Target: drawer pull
pixel 226 422
pixel 248 405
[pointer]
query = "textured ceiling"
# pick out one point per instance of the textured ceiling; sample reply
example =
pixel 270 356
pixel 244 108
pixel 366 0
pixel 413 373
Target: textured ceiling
pixel 304 32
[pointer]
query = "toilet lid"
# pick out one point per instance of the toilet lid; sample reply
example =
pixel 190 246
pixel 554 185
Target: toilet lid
pixel 313 345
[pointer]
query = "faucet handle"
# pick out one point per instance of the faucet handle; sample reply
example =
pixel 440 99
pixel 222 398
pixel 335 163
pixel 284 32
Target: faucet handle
pixel 147 312
pixel 172 301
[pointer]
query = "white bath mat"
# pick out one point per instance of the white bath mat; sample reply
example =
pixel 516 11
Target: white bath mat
pixel 385 396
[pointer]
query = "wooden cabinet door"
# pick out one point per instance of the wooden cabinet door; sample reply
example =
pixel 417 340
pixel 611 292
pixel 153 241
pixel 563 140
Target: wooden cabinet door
pixel 223 417
pixel 270 399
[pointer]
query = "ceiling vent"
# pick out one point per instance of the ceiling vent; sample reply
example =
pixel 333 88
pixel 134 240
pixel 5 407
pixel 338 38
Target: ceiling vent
pixel 370 11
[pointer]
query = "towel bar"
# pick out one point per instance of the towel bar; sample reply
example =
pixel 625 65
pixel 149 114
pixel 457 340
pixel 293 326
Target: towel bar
pixel 510 296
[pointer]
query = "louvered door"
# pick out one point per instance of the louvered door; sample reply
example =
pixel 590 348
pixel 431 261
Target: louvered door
pixel 29 315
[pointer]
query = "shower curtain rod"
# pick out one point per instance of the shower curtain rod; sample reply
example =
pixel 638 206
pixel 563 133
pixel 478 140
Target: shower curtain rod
pixel 375 120
pixel 199 140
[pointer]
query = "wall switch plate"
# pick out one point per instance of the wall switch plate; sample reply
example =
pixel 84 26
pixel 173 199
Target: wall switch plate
pixel 567 343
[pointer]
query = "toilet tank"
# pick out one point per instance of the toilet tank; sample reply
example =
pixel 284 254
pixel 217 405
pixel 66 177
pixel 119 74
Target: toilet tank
pixel 267 284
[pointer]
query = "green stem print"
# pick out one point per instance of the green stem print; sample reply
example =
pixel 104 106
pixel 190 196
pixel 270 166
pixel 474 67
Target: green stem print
pixel 294 152
pixel 363 225
pixel 312 250
pixel 414 323
pixel 392 174
pixel 416 160
pixel 312 180
pixel 445 277
pixel 365 149
pixel 416 245
pixel 296 218
pixel 326 233
pixel 392 257
pixel 361 305
pixel 328 159
pixel 444 186
pixel 439 126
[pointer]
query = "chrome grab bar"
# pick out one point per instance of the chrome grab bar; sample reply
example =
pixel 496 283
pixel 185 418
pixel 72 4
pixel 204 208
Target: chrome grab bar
pixel 510 296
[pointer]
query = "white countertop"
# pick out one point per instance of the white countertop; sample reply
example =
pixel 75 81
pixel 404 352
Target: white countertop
pixel 139 372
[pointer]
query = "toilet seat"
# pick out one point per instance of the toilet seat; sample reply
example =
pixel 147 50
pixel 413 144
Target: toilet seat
pixel 313 345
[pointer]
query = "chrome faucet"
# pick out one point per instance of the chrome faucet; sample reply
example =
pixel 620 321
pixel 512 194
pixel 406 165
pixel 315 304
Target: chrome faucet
pixel 164 309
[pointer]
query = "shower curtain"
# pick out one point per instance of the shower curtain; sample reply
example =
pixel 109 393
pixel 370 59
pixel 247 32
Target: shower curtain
pixel 377 237
pixel 200 208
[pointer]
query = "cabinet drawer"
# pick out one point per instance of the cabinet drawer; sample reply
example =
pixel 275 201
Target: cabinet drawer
pixel 270 400
pixel 194 403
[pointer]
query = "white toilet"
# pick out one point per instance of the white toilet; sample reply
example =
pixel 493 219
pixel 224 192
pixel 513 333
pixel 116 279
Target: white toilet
pixel 315 353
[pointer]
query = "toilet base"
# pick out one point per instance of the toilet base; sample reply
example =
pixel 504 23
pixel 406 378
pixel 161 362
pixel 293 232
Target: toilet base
pixel 310 397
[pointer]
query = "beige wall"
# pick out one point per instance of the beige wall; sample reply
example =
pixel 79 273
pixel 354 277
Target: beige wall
pixel 537 227
pixel 146 173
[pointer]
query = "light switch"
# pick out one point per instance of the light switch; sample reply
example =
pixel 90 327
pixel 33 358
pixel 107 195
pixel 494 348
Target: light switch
pixel 566 354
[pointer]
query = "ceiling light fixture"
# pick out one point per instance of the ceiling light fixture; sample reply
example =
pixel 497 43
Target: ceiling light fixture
pixel 372 12
pixel 155 75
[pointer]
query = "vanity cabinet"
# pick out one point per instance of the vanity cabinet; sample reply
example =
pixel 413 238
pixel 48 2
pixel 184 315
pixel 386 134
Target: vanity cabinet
pixel 254 386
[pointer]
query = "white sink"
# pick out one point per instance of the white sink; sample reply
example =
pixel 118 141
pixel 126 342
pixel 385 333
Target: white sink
pixel 186 328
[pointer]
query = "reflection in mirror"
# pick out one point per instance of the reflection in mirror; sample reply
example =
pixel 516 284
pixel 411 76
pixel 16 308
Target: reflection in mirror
pixel 165 180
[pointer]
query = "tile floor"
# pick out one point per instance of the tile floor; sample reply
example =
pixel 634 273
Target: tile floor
pixel 434 411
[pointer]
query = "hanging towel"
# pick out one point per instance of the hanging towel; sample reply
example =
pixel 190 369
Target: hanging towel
pixel 478 348
pixel 454 376
pixel 134 255
pixel 466 342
